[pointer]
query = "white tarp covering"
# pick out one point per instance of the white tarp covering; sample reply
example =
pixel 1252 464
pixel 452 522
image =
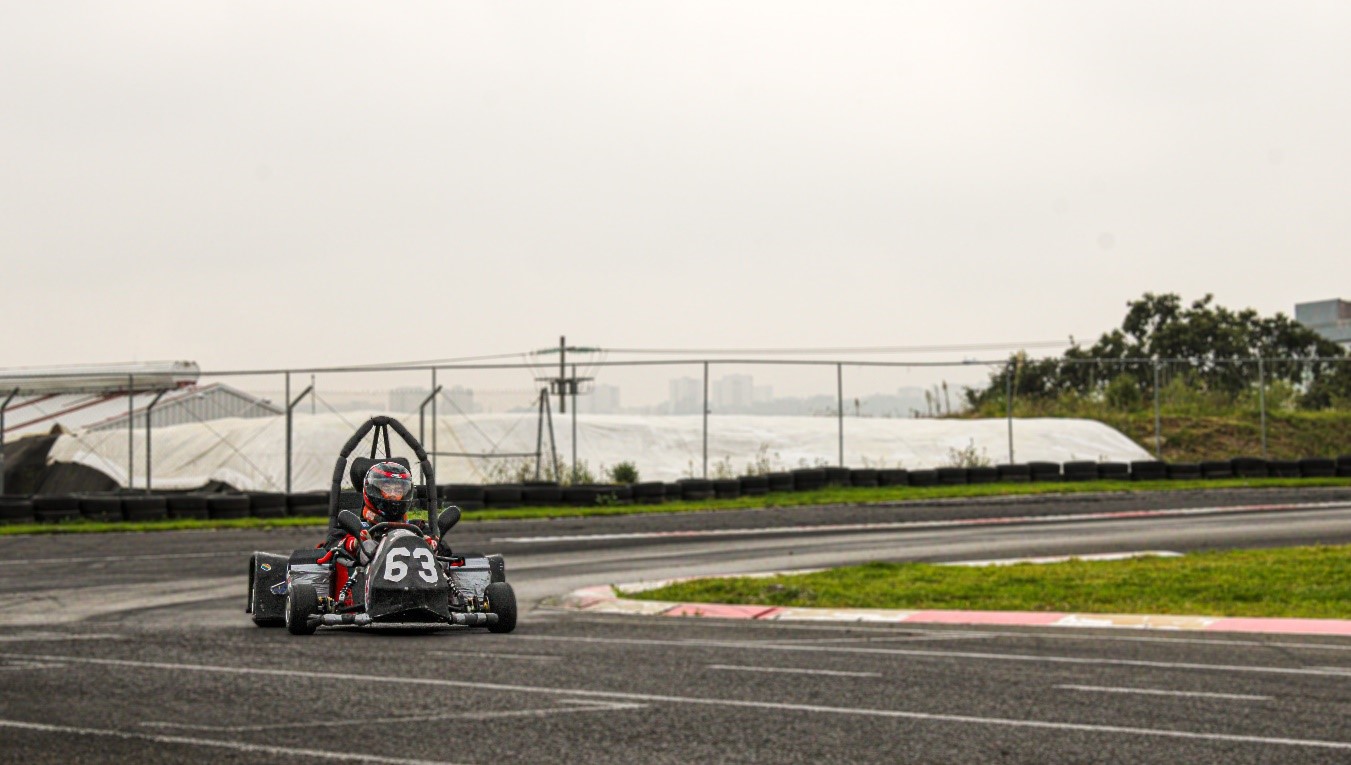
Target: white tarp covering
pixel 249 454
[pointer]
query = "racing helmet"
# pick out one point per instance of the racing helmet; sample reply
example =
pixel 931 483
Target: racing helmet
pixel 388 488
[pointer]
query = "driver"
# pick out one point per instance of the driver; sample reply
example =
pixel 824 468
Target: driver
pixel 387 493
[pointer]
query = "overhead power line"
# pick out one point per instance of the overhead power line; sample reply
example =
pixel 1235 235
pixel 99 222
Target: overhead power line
pixel 855 350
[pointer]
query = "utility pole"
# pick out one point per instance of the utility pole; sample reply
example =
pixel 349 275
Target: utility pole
pixel 565 385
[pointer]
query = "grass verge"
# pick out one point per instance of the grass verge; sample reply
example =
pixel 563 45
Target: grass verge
pixel 1310 582
pixel 829 496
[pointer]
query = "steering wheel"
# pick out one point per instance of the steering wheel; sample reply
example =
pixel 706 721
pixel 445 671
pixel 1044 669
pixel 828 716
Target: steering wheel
pixel 384 527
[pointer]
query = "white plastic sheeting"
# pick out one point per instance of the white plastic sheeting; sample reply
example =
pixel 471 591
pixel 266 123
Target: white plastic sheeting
pixel 249 454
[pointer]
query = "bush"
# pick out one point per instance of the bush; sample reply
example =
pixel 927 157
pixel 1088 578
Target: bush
pixel 624 472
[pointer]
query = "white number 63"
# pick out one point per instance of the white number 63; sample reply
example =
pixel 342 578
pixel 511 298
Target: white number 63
pixel 396 569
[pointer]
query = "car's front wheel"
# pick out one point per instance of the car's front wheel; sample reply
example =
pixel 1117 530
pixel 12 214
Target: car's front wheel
pixel 501 601
pixel 301 601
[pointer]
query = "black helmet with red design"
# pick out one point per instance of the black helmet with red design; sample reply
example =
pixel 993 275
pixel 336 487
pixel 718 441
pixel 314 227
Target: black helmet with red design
pixel 388 489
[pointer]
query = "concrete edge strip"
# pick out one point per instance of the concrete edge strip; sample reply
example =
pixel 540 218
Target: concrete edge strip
pixel 603 600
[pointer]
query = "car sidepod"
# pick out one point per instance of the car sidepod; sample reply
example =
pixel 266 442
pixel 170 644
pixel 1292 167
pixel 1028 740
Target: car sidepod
pixel 266 572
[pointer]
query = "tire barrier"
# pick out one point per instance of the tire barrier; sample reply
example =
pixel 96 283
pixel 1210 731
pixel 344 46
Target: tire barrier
pixel 727 488
pixel 837 476
pixel 227 506
pixel 55 508
pixel 309 504
pixel 1149 470
pixel 503 495
pixel 863 477
pixel 809 479
pixel 144 508
pixel 16 510
pixel 194 506
pixel 1317 467
pixel 267 505
pixel 649 493
pixel 893 477
pixel 1114 471
pixel 982 475
pixel 1044 471
pixel 1284 468
pixel 1249 467
pixel 696 489
pixel 951 476
pixel 753 485
pixel 784 481
pixel 60 508
pixel 101 507
pixel 1217 469
pixel 923 477
pixel 1080 470
pixel 1184 471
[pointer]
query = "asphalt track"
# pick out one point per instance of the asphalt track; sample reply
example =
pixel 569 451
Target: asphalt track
pixel 135 648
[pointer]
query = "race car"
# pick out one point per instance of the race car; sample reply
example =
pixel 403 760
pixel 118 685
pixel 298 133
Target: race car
pixel 399 579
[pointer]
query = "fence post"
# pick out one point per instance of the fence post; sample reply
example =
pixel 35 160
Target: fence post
pixel 3 407
pixel 1008 405
pixel 291 404
pixel 131 430
pixel 839 405
pixel 148 459
pixel 705 420
pixel 1158 418
pixel 436 394
pixel 1262 402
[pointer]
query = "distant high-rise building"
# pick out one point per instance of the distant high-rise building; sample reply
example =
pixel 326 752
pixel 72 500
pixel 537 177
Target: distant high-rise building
pixel 407 400
pixel 603 399
pixel 1329 318
pixel 733 393
pixel 687 395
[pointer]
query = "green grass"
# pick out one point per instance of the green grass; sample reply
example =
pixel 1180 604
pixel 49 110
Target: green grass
pixel 829 496
pixel 1312 582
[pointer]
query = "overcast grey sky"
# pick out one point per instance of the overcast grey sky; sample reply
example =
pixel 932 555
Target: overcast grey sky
pixel 258 184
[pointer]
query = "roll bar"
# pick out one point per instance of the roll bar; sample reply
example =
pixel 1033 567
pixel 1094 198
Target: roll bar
pixel 383 424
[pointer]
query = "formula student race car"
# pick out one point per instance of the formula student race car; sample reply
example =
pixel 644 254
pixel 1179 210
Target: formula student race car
pixel 401 581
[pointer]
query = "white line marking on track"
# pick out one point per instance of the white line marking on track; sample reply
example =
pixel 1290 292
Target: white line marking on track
pixel 1029 658
pixel 124 558
pixel 9 665
pixel 1158 692
pixel 579 705
pixel 935 524
pixel 794 671
pixel 236 746
pixel 691 700
pixel 26 637
pixel 487 655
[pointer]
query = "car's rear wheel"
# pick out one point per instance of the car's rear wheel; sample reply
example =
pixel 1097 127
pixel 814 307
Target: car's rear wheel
pixel 501 601
pixel 301 602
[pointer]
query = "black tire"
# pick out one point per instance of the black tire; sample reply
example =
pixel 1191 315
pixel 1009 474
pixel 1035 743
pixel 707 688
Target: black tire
pixel 1114 471
pixel 312 504
pixel 580 496
pixel 16 510
pixel 224 506
pixel 893 477
pixel 542 496
pixel 982 475
pixel 502 495
pixel 837 476
pixel 1344 466
pixel 55 508
pixel 1080 470
pixel 301 601
pixel 695 489
pixel 923 477
pixel 1284 469
pixel 101 507
pixel 863 477
pixel 754 485
pixel 1184 471
pixel 187 506
pixel 1014 473
pixel 1249 467
pixel 953 476
pixel 459 493
pixel 649 493
pixel 1149 470
pixel 727 488
pixel 809 479
pixel 1312 467
pixel 780 481
pixel 267 505
pixel 1217 469
pixel 1045 471
pixel 144 508
pixel 501 601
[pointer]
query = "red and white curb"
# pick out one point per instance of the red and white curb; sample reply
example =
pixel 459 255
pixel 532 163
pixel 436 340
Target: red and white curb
pixel 604 600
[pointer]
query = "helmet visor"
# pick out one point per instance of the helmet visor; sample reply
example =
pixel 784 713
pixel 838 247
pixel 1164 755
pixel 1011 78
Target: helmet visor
pixel 391 487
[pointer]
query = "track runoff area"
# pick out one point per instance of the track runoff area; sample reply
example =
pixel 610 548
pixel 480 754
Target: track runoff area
pixel 135 648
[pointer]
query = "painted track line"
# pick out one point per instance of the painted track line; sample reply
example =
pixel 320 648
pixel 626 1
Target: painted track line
pixel 793 671
pixel 1160 692
pixel 935 524
pixel 235 746
pixel 894 714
